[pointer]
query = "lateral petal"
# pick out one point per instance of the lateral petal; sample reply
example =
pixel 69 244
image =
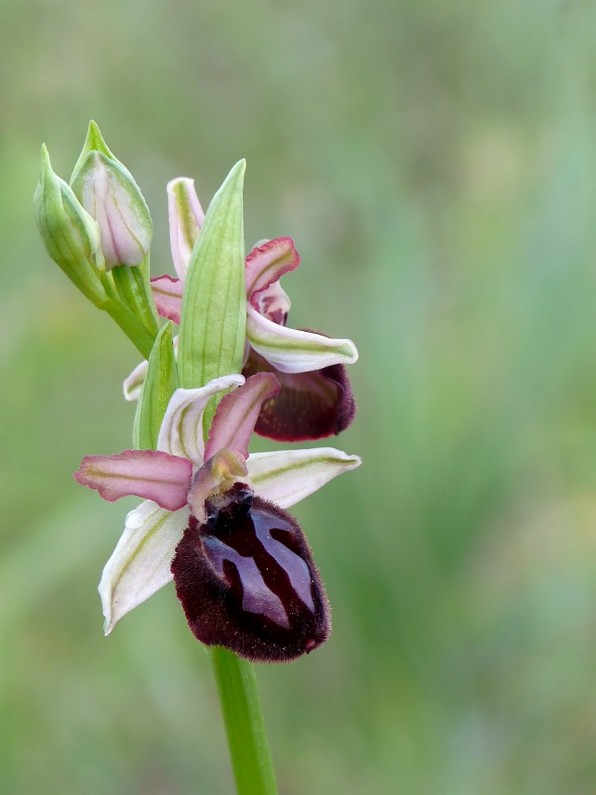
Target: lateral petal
pixel 181 432
pixel 237 414
pixel 293 351
pixel 288 476
pixel 150 474
pixel 140 563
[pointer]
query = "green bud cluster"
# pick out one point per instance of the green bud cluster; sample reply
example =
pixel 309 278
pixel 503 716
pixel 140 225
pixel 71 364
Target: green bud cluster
pixel 98 230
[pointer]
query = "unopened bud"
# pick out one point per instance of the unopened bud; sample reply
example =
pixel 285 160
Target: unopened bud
pixel 109 193
pixel 69 233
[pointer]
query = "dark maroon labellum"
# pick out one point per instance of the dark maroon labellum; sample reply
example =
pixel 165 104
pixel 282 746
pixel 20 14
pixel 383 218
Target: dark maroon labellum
pixel 308 406
pixel 247 580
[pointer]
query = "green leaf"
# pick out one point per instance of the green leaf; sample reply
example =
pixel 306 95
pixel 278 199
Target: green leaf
pixel 160 383
pixel 133 288
pixel 213 320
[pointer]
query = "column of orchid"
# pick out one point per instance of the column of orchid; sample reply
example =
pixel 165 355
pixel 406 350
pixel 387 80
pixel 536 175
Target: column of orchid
pixel 213 516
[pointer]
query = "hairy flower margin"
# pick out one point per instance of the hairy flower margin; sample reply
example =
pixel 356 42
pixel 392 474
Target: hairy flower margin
pixel 315 397
pixel 243 570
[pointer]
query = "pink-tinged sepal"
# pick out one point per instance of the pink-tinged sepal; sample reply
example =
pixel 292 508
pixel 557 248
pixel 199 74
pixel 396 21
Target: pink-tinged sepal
pixel 247 581
pixel 310 405
pixel 237 414
pixel 152 475
pixel 167 294
pixel 268 262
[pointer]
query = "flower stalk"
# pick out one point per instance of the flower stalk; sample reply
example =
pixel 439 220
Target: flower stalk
pixel 243 719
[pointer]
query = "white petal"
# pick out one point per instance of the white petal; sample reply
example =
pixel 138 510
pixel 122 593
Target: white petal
pixel 140 564
pixel 288 476
pixel 181 431
pixel 133 384
pixel 293 351
pixel 186 219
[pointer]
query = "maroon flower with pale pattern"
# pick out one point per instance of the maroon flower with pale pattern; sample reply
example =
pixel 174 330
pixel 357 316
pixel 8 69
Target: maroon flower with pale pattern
pixel 315 399
pixel 214 519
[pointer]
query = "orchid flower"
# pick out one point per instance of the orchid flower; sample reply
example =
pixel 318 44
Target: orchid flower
pixel 315 399
pixel 214 519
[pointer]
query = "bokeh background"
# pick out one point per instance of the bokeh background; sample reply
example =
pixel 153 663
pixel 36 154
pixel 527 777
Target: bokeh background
pixel 436 165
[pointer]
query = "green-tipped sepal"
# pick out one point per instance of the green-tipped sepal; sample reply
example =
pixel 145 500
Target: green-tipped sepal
pixel 70 234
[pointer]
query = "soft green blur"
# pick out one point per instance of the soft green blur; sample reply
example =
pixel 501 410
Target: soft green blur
pixel 436 164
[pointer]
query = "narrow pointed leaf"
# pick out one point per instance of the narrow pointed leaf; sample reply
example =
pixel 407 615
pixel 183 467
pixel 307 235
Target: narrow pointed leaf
pixel 213 320
pixel 159 386
pixel 140 564
pixel 286 477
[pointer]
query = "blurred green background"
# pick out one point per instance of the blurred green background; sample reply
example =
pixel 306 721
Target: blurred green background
pixel 435 163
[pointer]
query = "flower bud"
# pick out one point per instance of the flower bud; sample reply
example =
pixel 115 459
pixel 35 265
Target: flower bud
pixel 69 233
pixel 108 191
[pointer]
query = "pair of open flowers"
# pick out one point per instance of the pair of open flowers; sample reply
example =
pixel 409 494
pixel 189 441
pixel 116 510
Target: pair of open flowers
pixel 213 515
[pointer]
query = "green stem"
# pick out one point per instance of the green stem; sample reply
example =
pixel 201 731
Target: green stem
pixel 141 337
pixel 249 750
pixel 137 318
